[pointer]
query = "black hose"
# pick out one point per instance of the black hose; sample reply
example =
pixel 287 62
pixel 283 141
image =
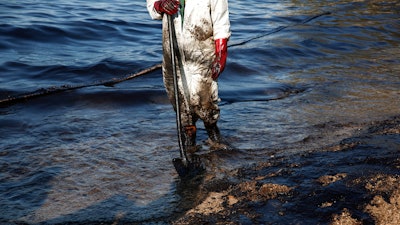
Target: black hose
pixel 52 90
pixel 276 30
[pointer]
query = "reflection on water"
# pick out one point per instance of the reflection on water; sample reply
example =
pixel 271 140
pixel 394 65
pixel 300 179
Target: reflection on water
pixel 104 153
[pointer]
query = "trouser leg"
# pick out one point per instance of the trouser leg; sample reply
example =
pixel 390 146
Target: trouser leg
pixel 190 138
pixel 190 131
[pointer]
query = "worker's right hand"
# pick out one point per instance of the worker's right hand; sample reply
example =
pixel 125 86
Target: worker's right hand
pixel 169 7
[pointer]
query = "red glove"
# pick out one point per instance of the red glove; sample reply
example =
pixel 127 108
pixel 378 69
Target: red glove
pixel 221 52
pixel 169 7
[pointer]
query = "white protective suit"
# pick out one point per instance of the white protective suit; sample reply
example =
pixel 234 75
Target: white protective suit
pixel 204 22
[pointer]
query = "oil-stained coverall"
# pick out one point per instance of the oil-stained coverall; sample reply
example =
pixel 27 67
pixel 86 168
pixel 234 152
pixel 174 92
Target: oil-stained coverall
pixel 202 29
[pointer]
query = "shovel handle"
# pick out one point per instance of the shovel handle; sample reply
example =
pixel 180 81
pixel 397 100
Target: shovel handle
pixel 171 30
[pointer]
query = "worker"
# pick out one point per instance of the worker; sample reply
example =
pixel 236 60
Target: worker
pixel 202 30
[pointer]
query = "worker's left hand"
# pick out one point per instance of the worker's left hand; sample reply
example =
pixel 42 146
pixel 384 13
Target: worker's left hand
pixel 221 52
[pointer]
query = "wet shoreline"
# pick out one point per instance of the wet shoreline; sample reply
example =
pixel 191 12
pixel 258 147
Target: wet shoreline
pixel 354 181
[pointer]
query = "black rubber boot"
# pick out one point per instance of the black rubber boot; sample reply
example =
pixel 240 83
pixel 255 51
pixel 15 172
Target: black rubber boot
pixel 213 132
pixel 215 140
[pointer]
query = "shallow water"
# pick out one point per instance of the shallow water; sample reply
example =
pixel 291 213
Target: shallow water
pixel 295 69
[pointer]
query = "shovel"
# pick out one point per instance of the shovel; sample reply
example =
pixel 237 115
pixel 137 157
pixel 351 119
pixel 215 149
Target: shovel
pixel 183 166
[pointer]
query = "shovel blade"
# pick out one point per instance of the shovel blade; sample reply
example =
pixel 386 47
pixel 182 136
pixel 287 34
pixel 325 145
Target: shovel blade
pixel 188 168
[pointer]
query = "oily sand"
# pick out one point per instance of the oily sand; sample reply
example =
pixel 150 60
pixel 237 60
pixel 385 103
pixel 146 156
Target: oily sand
pixel 355 181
